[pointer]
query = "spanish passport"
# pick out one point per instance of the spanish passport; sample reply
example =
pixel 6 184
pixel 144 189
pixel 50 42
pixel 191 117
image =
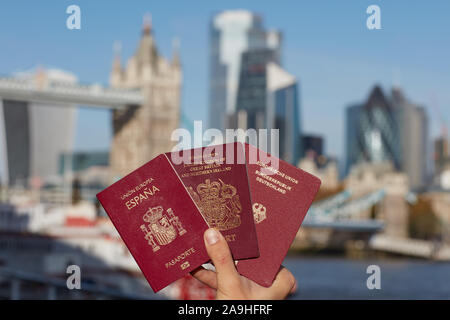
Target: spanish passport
pixel 158 221
pixel 216 178
pixel 281 195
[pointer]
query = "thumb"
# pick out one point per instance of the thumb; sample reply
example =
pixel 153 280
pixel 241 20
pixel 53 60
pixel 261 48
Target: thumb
pixel 219 252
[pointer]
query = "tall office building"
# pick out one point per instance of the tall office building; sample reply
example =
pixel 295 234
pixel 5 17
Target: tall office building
pixel 373 132
pixel 312 145
pixel 232 33
pixel 441 153
pixel 34 134
pixel 283 112
pixel 442 161
pixel 388 129
pixel 251 102
pixel 268 99
pixel 413 124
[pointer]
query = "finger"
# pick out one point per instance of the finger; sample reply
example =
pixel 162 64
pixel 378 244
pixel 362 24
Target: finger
pixel 207 277
pixel 283 284
pixel 219 252
pixel 294 287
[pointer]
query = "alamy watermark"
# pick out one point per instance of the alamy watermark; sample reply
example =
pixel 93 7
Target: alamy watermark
pixel 74 19
pixel 374 280
pixel 220 149
pixel 74 279
pixel 373 22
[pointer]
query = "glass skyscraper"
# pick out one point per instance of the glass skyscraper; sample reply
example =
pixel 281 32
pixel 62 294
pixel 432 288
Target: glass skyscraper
pixel 248 87
pixel 268 99
pixel 232 33
pixel 388 128
pixel 283 112
pixel 372 131
pixel 252 91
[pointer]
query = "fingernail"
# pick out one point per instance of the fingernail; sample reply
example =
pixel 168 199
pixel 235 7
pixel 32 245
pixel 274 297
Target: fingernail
pixel 211 236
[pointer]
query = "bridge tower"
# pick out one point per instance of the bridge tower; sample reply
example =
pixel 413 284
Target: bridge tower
pixel 143 131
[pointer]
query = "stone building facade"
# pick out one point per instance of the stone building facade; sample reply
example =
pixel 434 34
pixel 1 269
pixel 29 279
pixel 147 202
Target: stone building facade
pixel 393 210
pixel 143 131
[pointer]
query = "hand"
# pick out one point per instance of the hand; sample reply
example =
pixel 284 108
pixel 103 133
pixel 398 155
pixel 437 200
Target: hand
pixel 229 284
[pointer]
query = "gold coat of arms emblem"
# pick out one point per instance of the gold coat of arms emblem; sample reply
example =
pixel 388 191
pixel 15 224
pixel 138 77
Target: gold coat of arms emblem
pixel 162 227
pixel 219 204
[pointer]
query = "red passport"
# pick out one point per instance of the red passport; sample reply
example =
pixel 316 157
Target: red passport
pixel 280 202
pixel 216 178
pixel 158 221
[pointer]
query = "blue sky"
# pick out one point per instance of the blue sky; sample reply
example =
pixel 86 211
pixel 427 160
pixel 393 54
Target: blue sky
pixel 326 46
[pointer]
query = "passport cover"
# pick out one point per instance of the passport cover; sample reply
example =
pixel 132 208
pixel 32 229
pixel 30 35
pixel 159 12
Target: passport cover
pixel 217 181
pixel 158 221
pixel 280 203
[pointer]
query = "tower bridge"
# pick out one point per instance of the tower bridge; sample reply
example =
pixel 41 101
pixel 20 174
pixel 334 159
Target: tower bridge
pixel 49 91
pixel 341 212
pixel 37 114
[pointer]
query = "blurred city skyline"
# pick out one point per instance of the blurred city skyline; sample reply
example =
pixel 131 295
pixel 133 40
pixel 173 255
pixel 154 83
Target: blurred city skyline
pixel 377 101
pixel 327 46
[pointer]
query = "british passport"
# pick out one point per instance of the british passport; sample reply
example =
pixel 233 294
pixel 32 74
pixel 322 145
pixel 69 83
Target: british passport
pixel 216 178
pixel 281 195
pixel 158 221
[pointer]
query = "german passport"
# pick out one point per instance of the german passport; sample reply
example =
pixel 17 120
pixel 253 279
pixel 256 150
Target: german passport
pixel 281 195
pixel 216 178
pixel 158 221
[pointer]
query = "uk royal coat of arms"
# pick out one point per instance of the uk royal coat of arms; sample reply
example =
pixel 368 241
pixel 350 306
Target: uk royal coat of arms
pixel 161 227
pixel 219 203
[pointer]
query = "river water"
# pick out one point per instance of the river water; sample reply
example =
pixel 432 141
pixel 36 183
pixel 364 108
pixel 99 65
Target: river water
pixel 341 278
